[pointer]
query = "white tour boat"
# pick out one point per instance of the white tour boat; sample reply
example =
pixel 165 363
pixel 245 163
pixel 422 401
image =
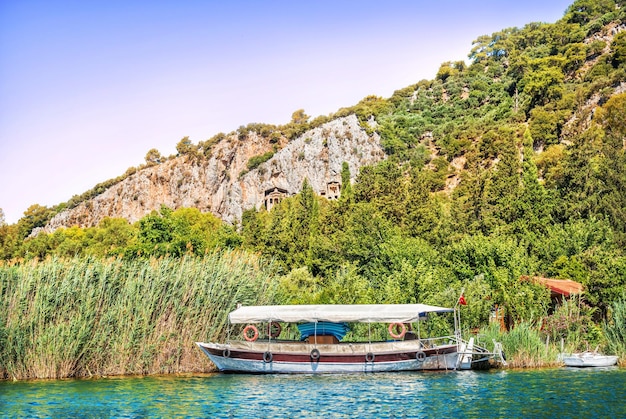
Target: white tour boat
pixel 322 350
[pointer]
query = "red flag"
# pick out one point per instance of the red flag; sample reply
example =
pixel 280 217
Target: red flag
pixel 462 300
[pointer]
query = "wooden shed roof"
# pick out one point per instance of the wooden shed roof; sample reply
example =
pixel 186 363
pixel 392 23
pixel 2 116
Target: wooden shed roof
pixel 564 287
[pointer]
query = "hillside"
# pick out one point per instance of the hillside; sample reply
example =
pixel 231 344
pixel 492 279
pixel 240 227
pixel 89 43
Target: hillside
pixel 546 78
pixel 225 182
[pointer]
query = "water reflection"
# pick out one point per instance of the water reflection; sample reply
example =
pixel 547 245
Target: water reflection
pixel 542 393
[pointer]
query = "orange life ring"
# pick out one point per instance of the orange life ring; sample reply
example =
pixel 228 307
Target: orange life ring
pixel 248 337
pixel 397 335
pixel 274 329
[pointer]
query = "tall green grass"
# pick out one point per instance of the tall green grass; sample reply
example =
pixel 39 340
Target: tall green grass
pixel 524 345
pixel 83 317
pixel 615 330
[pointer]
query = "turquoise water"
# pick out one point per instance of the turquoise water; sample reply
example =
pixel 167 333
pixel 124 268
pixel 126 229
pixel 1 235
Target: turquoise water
pixel 563 393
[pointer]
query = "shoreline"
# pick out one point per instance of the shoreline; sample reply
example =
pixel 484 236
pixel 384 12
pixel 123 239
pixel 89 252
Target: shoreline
pixel 212 372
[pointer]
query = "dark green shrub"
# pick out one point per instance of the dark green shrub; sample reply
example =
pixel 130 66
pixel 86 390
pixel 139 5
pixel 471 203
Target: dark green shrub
pixel 256 161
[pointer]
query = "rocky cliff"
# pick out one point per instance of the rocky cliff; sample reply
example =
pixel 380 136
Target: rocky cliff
pixel 222 183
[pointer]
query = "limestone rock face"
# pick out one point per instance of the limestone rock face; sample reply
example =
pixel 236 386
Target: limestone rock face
pixel 222 183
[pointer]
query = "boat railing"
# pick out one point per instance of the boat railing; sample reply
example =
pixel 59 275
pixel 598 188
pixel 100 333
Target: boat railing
pixel 497 348
pixel 474 352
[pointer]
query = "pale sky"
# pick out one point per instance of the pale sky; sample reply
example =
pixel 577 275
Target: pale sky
pixel 88 87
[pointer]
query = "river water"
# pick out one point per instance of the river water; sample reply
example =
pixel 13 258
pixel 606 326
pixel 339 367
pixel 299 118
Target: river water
pixel 562 393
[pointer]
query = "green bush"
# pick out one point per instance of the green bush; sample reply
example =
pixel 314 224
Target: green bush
pixel 572 325
pixel 256 161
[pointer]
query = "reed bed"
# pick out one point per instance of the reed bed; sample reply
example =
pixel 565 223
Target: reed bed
pixel 524 345
pixel 615 330
pixel 91 317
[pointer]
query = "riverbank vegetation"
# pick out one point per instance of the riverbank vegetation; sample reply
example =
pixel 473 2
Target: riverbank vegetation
pixel 84 317
pixel 512 166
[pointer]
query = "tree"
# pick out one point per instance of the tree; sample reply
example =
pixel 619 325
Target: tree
pixel 618 47
pixel 35 216
pixel 593 179
pixel 494 46
pixel 299 117
pixel 37 247
pixel 583 11
pixel 365 230
pixel 256 161
pixel 543 85
pixel 501 261
pixel 9 240
pixel 534 204
pixel 69 242
pixel 153 157
pixel 498 209
pixel 447 70
pixel 326 253
pixel 580 184
pixel 384 186
pixel 305 221
pixel 299 123
pixel 346 183
pixel 111 237
pixel 424 214
pixel 544 126
pixel 185 146
pixel 612 117
pixel 155 234
pixel 253 229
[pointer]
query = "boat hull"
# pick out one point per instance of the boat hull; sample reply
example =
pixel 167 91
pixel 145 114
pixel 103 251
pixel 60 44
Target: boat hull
pixel 589 360
pixel 297 357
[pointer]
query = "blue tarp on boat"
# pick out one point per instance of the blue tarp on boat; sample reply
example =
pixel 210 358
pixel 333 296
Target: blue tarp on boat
pixel 337 330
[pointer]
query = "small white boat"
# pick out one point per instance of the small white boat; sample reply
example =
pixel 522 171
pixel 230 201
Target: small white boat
pixel 322 350
pixel 588 359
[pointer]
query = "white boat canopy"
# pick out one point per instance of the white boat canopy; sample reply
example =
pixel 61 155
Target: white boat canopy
pixel 357 313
